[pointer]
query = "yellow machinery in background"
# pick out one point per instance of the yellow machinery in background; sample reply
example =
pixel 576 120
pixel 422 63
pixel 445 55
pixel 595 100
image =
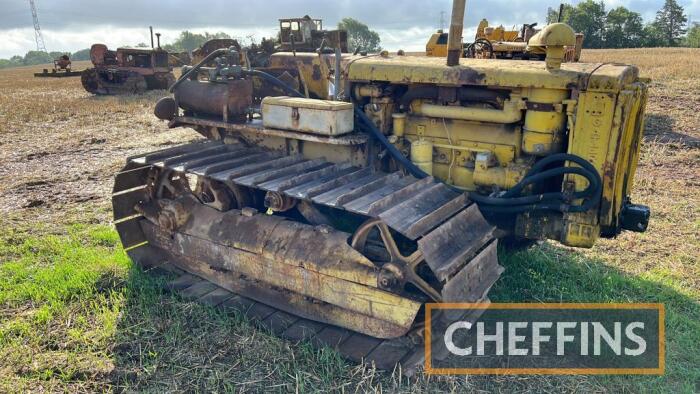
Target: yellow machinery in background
pixel 339 197
pixel 498 43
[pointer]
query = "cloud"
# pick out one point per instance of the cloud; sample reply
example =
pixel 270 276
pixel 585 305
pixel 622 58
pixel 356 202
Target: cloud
pixel 75 24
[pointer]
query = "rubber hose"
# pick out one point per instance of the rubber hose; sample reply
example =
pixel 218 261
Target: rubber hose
pixel 275 81
pixel 510 203
pixel 395 153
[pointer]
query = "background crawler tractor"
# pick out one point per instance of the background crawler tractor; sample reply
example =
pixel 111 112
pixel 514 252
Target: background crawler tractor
pixel 128 70
pixel 336 214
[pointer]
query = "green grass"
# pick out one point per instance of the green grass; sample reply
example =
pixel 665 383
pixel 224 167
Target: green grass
pixel 75 315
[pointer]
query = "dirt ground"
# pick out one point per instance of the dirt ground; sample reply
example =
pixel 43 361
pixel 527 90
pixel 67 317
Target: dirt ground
pixel 60 147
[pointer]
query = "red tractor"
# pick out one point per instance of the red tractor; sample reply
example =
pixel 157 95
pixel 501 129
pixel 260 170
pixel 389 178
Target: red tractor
pixel 127 70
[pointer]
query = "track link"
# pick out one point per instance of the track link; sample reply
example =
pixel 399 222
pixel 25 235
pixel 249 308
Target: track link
pixel 452 236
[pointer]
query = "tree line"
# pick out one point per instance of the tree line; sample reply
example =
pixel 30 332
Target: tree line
pixel 623 28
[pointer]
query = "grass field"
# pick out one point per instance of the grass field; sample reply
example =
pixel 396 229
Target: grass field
pixel 77 316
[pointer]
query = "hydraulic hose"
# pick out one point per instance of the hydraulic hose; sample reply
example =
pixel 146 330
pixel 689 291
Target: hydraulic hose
pixel 371 129
pixel 274 81
pixel 512 202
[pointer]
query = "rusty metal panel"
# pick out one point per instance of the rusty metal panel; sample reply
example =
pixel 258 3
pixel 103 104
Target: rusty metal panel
pixel 430 221
pixel 449 246
pixel 253 156
pixel 131 179
pixel 301 190
pixel 123 203
pixel 315 190
pixel 405 214
pixel 362 204
pixel 296 179
pixel 230 153
pixel 473 282
pixel 379 206
pixel 257 167
pixel 333 196
pixel 198 154
pixel 153 157
pixel 278 172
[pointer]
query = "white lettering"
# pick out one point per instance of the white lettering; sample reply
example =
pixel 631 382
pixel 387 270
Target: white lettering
pixel 615 343
pixel 481 338
pixel 449 341
pixel 514 339
pixel 562 338
pixel 642 344
pixel 584 338
pixel 537 337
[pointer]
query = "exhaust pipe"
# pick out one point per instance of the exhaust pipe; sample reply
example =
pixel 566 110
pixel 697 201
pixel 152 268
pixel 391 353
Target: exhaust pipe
pixel 152 45
pixel 454 44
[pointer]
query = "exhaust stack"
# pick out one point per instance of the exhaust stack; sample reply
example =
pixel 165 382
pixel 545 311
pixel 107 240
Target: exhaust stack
pixel 151 29
pixel 454 44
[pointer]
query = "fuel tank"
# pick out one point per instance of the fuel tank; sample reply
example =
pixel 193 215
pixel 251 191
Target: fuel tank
pixel 230 99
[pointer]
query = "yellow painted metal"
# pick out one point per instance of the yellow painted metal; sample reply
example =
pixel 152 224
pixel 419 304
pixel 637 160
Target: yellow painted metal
pixel 598 106
pixel 456 144
pixel 555 34
pixel 487 172
pixel 399 126
pixel 408 70
pixel 274 250
pixel 315 68
pixel 543 133
pixel 511 112
pixel 607 133
pixel 503 140
pixel 422 155
pixel 495 33
pixel 554 39
pixel 437 45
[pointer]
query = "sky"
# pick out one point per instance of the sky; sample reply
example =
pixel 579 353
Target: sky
pixel 71 25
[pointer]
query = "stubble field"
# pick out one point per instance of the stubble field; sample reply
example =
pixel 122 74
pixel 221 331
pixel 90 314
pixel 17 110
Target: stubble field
pixel 76 316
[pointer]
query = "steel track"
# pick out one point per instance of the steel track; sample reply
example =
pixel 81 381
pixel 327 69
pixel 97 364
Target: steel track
pixel 452 236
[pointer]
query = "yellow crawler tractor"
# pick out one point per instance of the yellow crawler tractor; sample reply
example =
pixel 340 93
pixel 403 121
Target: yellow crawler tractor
pixel 336 214
pixel 498 43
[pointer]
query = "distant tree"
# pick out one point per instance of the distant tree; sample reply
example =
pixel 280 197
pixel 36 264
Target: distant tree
pixel 654 36
pixel 142 45
pixel 37 57
pixel 693 38
pixel 588 17
pixel 220 34
pixel 83 54
pixel 360 36
pixel 623 29
pixel 188 41
pixel 14 61
pixel 671 22
pixel 553 14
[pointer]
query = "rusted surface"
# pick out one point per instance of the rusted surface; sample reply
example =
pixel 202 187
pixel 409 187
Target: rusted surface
pixel 294 272
pixel 232 97
pixel 445 252
pixel 127 70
